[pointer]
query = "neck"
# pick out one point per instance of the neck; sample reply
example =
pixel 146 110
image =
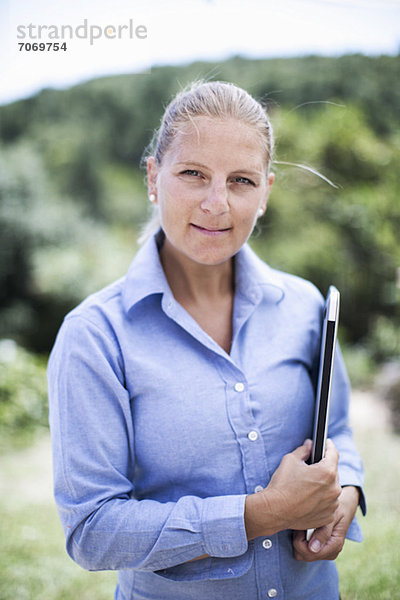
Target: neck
pixel 193 283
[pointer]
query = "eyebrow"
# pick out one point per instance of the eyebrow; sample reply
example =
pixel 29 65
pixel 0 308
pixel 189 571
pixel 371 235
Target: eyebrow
pixel 191 162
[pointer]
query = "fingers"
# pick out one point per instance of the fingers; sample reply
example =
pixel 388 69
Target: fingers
pixel 303 452
pixel 298 495
pixel 320 537
pixel 325 544
pixel 328 468
pixel 331 454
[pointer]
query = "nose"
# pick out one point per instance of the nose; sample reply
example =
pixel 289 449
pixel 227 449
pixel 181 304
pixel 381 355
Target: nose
pixel 215 201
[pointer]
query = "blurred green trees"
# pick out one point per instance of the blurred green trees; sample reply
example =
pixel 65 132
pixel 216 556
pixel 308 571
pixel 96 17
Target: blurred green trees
pixel 23 395
pixel 72 197
pixel 347 235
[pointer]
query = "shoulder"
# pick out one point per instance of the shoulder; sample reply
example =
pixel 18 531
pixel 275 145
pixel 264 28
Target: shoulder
pixel 302 289
pixel 92 326
pixel 292 288
pixel 87 347
pixel 301 299
pixel 101 306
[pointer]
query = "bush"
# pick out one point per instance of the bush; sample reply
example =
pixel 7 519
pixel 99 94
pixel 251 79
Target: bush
pixel 360 365
pixel 388 387
pixel 384 339
pixel 23 394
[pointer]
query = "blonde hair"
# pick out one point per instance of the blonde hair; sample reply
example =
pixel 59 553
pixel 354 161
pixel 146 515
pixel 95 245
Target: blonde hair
pixel 214 99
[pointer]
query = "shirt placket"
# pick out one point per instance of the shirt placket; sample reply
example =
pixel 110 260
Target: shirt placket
pixel 245 428
pixel 254 456
pixel 255 473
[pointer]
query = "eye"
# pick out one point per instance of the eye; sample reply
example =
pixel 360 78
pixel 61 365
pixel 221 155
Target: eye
pixel 244 181
pixel 192 172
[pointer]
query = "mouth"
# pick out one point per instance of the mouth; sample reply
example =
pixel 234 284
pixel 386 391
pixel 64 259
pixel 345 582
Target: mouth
pixel 213 231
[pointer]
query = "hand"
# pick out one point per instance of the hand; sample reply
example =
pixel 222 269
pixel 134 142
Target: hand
pixel 299 496
pixel 327 542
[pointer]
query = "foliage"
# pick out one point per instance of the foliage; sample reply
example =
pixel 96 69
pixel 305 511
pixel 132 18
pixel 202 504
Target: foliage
pixel 32 216
pixel 72 198
pixel 384 339
pixel 388 386
pixel 360 365
pixel 52 252
pixel 346 236
pixel 23 394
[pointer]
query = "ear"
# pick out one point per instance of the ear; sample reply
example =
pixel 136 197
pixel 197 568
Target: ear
pixel 152 174
pixel 270 182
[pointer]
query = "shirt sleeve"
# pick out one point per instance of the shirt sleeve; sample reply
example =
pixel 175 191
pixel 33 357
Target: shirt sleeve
pixel 350 466
pixel 93 458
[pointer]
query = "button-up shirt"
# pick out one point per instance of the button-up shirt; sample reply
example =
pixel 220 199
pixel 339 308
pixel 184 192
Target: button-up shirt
pixel 159 434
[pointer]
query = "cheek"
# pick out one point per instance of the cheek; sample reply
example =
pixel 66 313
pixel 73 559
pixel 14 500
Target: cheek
pixel 176 199
pixel 247 216
pixel 174 209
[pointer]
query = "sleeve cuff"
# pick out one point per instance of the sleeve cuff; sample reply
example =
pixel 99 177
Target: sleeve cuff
pixel 223 526
pixel 362 502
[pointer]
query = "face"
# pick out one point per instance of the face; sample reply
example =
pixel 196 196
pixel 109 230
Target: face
pixel 211 187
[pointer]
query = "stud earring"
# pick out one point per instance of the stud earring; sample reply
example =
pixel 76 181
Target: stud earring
pixel 260 212
pixel 152 198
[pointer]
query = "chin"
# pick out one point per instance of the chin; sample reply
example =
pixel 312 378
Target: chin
pixel 211 259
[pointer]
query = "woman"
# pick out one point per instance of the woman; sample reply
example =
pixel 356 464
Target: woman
pixel 181 396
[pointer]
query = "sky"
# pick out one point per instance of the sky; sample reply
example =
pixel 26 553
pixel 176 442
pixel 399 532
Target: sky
pixel 106 37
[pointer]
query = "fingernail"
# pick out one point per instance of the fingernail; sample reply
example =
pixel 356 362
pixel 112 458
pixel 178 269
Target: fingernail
pixel 315 546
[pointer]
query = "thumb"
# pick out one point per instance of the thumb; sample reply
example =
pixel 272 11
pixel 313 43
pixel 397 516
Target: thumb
pixel 303 452
pixel 320 537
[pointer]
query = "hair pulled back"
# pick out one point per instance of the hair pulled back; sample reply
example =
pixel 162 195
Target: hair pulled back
pixel 214 99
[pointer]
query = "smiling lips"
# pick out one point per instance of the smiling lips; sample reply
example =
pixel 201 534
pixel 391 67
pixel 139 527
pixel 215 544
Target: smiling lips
pixel 213 231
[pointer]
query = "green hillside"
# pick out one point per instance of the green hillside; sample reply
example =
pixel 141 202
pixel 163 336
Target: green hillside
pixel 72 197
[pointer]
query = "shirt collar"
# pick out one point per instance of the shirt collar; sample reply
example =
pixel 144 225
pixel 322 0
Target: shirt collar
pixel 254 279
pixel 145 275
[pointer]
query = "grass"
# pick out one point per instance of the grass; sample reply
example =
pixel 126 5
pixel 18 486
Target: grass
pixel 34 564
pixel 33 561
pixel 371 570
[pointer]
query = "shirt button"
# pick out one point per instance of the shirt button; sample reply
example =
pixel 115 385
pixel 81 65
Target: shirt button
pixel 239 386
pixel 267 544
pixel 272 593
pixel 258 488
pixel 253 436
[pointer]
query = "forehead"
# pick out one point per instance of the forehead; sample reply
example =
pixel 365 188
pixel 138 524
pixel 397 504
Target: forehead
pixel 205 138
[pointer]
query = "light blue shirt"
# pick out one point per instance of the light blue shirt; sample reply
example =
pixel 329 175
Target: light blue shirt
pixel 159 434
